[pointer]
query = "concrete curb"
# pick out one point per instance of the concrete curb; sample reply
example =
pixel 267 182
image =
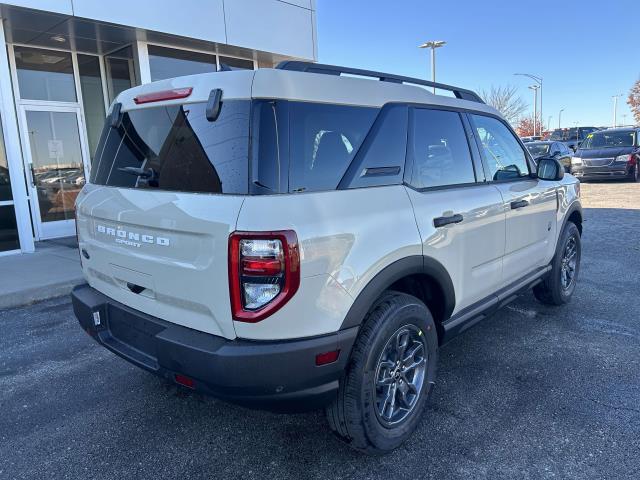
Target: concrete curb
pixel 38 294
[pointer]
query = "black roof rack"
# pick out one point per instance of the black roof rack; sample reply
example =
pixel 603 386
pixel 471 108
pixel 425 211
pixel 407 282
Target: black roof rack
pixel 309 67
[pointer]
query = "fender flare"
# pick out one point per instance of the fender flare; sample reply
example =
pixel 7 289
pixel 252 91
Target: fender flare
pixel 415 264
pixel 574 207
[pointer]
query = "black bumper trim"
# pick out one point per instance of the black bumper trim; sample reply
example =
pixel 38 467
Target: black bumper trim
pixel 271 375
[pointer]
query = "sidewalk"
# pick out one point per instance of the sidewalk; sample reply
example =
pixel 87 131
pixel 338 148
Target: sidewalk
pixel 53 270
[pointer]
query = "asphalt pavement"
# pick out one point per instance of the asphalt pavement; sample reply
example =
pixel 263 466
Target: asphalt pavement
pixel 532 392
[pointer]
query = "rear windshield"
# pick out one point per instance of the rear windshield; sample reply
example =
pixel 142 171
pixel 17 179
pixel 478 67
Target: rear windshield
pixel 287 147
pixel 538 149
pixel 606 139
pixel 176 148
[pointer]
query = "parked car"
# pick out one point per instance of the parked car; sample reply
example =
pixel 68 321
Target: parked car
pixel 295 238
pixel 530 139
pixel 556 150
pixel 611 153
pixel 571 137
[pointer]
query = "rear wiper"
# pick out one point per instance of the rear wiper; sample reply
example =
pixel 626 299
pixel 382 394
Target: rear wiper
pixel 139 172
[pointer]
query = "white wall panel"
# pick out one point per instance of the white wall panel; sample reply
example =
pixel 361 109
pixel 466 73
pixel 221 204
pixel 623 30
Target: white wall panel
pixel 57 6
pixel 270 25
pixel 189 18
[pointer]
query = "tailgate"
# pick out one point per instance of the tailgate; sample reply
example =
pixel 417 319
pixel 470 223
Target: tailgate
pixel 160 252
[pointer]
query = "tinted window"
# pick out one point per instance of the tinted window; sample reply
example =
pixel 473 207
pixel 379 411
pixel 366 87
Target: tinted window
pixel 324 140
pixel 177 148
pixel 269 153
pixel 381 158
pixel 501 151
pixel 169 62
pixel 439 149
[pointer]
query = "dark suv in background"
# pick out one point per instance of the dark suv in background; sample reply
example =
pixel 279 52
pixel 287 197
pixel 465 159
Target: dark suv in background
pixel 571 137
pixel 612 153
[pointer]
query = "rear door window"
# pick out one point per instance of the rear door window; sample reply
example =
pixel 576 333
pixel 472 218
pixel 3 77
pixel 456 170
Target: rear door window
pixel 324 139
pixel 439 149
pixel 176 148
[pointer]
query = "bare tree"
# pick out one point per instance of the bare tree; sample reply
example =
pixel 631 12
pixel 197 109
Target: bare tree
pixel 506 101
pixel 634 100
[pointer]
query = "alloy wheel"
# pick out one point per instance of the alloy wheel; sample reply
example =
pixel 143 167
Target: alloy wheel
pixel 569 263
pixel 400 375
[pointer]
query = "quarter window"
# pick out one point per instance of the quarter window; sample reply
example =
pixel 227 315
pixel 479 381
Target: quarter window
pixel 503 155
pixel 324 140
pixel 439 149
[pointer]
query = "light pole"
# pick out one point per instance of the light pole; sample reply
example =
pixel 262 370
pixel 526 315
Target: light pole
pixel 536 79
pixel 433 45
pixel 615 109
pixel 560 117
pixel 535 107
pixel 549 122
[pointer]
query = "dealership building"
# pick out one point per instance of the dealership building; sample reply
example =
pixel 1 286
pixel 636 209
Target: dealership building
pixel 66 60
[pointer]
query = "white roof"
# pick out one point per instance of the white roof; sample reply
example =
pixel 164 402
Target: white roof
pixel 299 86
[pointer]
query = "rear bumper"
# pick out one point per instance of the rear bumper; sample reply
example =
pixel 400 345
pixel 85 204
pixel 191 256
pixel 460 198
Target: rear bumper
pixel 271 375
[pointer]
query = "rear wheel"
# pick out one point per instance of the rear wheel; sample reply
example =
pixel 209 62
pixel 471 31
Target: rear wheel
pixel 560 284
pixel 389 376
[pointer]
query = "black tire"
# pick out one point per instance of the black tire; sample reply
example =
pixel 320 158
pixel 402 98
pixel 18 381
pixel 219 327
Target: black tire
pixel 634 175
pixel 554 290
pixel 355 413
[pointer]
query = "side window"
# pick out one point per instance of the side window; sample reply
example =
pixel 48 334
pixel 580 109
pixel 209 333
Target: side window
pixel 555 148
pixel 439 149
pixel 502 153
pixel 324 139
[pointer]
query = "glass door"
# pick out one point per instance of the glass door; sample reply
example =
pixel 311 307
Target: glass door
pixel 57 163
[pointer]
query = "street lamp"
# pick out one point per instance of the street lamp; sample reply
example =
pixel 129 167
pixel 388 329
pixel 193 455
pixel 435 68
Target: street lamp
pixel 433 45
pixel 615 109
pixel 560 117
pixel 536 79
pixel 535 106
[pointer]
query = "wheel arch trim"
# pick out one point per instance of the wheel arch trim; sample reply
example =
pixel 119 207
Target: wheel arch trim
pixel 412 265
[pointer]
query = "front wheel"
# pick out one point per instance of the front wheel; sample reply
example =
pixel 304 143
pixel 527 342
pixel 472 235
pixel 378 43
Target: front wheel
pixel 560 284
pixel 389 377
pixel 634 175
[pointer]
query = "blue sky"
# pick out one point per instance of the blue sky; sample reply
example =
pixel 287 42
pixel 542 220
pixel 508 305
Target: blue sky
pixel 586 51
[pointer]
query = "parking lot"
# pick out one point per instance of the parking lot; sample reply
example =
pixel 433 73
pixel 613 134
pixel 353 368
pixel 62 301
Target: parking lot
pixel 533 392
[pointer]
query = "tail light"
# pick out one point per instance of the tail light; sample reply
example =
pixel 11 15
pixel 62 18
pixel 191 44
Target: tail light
pixel 264 273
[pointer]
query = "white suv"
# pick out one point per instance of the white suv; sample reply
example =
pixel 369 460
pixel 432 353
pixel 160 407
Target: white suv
pixel 304 237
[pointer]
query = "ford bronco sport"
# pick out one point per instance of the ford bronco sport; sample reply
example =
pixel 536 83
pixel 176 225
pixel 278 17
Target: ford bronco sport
pixel 305 237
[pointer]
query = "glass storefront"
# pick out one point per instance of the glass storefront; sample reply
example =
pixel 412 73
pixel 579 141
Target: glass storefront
pixel 61 99
pixel 92 98
pixel 169 62
pixel 45 75
pixel 8 227
pixel 57 163
pixel 120 71
pixel 237 63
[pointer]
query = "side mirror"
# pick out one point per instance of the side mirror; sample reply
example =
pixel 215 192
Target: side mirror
pixel 550 169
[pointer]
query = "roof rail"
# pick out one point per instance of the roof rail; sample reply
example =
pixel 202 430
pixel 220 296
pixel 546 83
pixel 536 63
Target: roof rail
pixel 309 67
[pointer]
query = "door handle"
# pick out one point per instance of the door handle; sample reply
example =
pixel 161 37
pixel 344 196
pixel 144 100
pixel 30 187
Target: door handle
pixel 442 221
pixel 519 204
pixel 33 175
